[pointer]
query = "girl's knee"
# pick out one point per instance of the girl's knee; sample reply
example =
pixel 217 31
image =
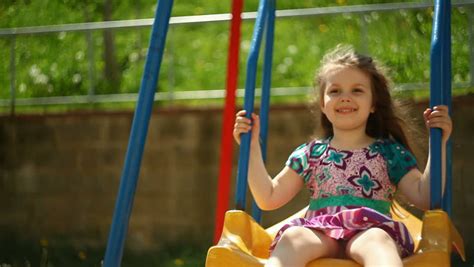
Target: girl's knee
pixel 299 239
pixel 292 237
pixel 377 236
pixel 299 245
pixel 374 247
pixel 294 232
pixel 375 240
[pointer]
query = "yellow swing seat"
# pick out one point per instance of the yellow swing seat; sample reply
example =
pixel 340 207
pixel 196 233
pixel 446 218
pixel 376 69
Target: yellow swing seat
pixel 244 243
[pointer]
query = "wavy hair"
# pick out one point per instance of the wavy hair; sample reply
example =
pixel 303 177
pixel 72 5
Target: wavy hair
pixel 388 120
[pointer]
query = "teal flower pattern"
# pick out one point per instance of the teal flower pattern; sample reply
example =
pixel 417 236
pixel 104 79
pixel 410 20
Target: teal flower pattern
pixel 365 182
pixel 337 158
pixel 316 150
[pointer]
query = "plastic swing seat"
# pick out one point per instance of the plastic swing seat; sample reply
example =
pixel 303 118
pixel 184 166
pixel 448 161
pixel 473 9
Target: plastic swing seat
pixel 244 243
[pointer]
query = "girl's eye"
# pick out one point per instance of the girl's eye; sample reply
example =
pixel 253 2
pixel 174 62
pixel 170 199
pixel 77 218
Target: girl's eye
pixel 357 90
pixel 333 91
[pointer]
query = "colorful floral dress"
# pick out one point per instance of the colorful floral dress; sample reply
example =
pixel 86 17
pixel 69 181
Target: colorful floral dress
pixel 351 191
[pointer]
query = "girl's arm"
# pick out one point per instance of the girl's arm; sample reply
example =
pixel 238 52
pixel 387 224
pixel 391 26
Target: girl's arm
pixel 268 193
pixel 416 185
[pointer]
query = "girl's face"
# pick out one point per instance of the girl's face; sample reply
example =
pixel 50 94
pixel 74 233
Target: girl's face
pixel 347 98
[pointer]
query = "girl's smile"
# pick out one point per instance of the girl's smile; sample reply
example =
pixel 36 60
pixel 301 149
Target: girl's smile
pixel 347 101
pixel 346 110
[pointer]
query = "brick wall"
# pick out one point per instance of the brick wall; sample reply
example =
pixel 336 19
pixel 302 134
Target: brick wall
pixel 59 174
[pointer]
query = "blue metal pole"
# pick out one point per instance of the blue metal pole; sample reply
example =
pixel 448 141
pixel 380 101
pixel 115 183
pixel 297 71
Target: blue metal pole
pixel 266 85
pixel 447 198
pixel 128 181
pixel 252 61
pixel 436 98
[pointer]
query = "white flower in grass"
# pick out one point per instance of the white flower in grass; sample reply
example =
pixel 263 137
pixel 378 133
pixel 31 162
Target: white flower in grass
pixel 76 78
pixel 37 76
pixel 292 49
pixel 245 45
pixel 41 79
pixel 22 88
pixel 196 43
pixel 419 17
pixel 79 55
pixel 133 57
pixel 457 78
pixel 368 18
pixel 34 71
pixel 282 68
pixel 62 35
pixel 375 15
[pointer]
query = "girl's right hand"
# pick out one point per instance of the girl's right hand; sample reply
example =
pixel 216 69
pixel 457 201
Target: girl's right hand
pixel 438 117
pixel 244 125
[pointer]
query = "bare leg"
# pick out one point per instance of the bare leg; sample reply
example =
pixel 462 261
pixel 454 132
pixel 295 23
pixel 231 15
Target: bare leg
pixel 299 245
pixel 374 247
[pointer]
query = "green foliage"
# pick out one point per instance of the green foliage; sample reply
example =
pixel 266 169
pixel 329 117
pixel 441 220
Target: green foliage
pixel 196 54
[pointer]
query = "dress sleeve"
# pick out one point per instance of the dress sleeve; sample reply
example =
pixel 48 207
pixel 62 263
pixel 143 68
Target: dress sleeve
pixel 399 161
pixel 298 161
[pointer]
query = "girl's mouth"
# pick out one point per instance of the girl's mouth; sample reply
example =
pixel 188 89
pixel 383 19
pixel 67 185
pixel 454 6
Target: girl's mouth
pixel 345 110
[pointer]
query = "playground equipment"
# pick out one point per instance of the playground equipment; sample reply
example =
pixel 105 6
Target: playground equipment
pixel 245 243
pixel 141 119
pixel 225 166
pixel 128 181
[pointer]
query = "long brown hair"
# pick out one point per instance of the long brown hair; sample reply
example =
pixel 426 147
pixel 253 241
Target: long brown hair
pixel 387 121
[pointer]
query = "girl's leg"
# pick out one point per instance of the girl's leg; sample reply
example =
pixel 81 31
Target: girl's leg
pixel 299 245
pixel 374 247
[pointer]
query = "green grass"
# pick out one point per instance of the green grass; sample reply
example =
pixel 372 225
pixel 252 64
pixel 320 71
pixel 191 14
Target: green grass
pixel 28 253
pixel 196 55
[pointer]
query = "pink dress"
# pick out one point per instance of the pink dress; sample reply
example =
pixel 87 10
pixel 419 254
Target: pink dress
pixel 351 191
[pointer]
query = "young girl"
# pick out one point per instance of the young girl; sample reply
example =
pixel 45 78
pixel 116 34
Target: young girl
pixel 352 172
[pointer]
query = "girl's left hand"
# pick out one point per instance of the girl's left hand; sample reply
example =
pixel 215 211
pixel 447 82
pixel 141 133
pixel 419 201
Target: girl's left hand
pixel 438 117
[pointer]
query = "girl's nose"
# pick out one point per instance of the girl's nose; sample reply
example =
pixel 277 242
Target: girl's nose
pixel 345 98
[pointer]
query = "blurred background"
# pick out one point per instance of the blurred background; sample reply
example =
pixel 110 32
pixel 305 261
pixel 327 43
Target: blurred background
pixel 70 74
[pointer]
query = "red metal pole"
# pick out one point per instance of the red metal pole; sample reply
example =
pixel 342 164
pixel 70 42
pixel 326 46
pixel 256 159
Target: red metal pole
pixel 225 171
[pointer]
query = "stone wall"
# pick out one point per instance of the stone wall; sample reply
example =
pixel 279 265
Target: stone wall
pixel 60 173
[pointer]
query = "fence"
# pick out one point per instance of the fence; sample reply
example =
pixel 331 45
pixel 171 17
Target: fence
pixel 92 97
